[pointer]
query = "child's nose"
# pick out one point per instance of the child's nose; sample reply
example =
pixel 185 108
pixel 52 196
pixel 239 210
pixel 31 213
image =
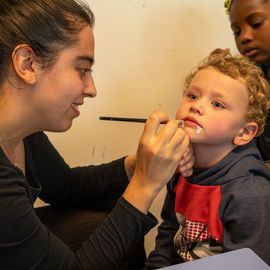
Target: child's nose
pixel 246 35
pixel 196 108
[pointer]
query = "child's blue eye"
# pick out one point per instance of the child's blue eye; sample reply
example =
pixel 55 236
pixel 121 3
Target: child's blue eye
pixel 191 96
pixel 218 104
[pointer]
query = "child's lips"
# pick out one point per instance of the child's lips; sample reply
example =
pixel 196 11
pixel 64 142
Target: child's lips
pixel 191 122
pixel 251 52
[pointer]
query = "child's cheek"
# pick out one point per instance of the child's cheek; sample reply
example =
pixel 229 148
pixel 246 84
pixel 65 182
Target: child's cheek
pixel 181 111
pixel 178 114
pixel 216 131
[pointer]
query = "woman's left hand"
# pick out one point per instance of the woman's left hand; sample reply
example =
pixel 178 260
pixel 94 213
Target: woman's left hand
pixel 185 166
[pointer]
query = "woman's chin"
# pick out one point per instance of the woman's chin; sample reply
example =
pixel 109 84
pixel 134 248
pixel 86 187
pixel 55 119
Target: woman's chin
pixel 60 128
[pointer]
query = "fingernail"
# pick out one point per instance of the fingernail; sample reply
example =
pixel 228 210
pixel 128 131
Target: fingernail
pixel 180 123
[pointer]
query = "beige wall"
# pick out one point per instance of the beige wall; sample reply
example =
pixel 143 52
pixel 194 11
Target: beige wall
pixel 144 48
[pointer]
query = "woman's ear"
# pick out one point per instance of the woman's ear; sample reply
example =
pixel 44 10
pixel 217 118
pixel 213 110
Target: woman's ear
pixel 23 60
pixel 246 134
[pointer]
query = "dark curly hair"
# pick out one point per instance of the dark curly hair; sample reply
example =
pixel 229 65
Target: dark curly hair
pixel 228 5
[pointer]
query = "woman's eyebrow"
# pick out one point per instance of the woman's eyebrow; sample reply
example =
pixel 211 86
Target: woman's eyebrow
pixel 87 58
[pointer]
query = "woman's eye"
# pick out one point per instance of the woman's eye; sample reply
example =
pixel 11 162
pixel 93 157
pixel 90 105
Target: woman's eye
pixel 218 105
pixel 84 71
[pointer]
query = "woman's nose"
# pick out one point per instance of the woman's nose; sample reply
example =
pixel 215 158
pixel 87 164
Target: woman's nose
pixel 90 89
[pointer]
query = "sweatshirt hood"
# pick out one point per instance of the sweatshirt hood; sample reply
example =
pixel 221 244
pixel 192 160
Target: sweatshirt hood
pixel 242 161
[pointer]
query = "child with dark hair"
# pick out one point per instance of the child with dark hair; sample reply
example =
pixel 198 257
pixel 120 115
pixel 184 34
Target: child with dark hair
pixel 225 204
pixel 250 23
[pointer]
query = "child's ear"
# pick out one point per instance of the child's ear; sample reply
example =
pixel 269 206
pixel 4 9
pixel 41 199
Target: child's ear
pixel 23 60
pixel 246 134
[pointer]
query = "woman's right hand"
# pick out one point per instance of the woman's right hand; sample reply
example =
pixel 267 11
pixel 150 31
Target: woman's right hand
pixel 158 155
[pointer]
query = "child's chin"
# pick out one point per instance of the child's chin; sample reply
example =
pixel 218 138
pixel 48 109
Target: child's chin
pixel 260 60
pixel 195 138
pixel 192 134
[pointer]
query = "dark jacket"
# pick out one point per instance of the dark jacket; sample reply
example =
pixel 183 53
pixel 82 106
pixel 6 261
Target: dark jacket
pixel 229 203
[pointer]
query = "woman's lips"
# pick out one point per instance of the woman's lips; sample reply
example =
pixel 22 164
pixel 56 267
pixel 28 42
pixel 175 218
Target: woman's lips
pixel 76 109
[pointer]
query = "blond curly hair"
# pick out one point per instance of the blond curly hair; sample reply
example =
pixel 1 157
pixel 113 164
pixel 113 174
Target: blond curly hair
pixel 241 68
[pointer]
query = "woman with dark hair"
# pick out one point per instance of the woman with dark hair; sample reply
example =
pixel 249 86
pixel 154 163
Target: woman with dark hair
pixel 47 53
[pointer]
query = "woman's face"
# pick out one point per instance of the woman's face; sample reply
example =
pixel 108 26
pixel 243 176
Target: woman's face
pixel 61 89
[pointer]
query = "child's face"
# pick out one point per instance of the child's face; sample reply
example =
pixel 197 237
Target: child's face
pixel 250 23
pixel 213 108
